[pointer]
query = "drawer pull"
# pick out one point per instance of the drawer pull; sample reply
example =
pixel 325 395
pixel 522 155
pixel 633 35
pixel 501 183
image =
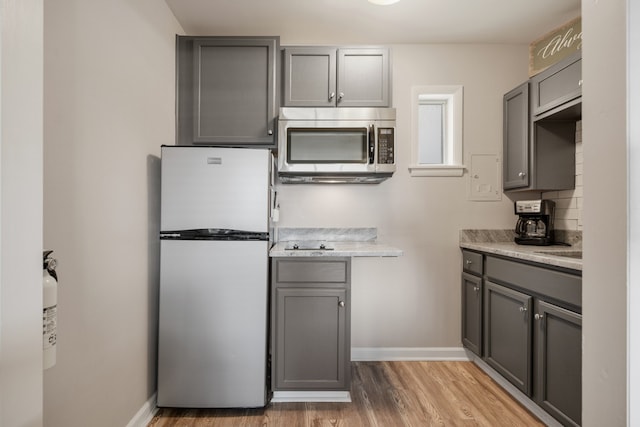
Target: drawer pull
pixel 468 262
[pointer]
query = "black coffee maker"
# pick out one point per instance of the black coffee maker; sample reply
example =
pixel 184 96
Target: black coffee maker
pixel 535 222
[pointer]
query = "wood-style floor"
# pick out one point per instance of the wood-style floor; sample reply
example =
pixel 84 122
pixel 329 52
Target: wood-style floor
pixel 383 394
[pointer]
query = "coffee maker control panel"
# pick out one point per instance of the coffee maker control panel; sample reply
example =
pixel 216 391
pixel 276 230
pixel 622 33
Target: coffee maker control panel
pixel 529 206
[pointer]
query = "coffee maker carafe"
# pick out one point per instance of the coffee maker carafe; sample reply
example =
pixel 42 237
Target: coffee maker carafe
pixel 535 222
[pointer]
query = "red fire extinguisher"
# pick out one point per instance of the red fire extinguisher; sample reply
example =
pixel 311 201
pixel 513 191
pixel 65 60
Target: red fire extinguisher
pixel 50 310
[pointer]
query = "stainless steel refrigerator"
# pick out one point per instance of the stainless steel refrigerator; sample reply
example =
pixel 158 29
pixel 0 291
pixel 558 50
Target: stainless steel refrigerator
pixel 214 243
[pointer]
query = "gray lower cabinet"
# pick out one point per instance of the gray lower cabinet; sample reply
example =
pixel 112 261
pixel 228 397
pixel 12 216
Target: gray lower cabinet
pixel 558 334
pixel 310 324
pixel 472 301
pixel 531 328
pixel 507 319
pixel 336 77
pixel 226 90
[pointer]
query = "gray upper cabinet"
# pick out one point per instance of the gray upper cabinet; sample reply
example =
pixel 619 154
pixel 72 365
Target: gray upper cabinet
pixel 226 90
pixel 336 77
pixel 558 88
pixel 310 311
pixel 539 130
pixel 309 77
pixel 516 138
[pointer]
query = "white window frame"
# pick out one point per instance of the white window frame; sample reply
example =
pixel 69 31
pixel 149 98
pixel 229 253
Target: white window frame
pixel 452 97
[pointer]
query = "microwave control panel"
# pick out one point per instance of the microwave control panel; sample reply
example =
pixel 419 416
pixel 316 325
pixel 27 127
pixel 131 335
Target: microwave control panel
pixel 385 146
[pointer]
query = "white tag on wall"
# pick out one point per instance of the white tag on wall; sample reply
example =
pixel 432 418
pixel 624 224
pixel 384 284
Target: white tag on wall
pixel 485 175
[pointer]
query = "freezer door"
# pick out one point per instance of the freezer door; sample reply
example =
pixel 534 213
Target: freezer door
pixel 212 339
pixel 209 187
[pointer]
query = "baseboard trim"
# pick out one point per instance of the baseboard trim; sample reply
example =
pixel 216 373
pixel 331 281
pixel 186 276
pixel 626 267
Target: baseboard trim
pixel 379 354
pixel 144 416
pixel 311 396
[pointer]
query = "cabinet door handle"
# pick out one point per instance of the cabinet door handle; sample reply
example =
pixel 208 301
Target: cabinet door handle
pixel 522 174
pixel 580 82
pixel 476 288
pixel 270 132
pixel 523 309
pixel 341 303
pixel 341 95
pixel 538 316
pixel 331 95
pixel 468 261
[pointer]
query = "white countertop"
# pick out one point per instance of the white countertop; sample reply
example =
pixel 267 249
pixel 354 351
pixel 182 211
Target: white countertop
pixel 339 249
pixel 528 253
pixel 340 242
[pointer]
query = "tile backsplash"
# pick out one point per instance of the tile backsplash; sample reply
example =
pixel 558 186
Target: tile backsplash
pixel 569 202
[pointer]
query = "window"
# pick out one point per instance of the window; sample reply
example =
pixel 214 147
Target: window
pixel 436 130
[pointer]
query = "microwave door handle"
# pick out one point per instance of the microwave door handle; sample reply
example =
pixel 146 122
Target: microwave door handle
pixel 372 141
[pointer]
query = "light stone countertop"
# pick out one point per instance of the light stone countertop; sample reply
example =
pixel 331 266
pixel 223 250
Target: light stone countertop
pixel 342 242
pixel 346 249
pixel 497 243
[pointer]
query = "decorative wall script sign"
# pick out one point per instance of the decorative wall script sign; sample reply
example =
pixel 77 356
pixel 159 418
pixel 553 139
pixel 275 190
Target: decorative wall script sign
pixel 555 45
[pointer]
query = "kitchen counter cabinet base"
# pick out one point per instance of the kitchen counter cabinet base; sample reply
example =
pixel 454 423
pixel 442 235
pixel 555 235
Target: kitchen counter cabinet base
pixel 311 324
pixel 531 329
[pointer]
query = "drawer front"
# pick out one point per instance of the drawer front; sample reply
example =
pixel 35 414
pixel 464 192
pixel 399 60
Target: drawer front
pixel 472 262
pixel 324 271
pixel 558 285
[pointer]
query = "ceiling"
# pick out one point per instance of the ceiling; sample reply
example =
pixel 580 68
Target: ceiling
pixel 359 22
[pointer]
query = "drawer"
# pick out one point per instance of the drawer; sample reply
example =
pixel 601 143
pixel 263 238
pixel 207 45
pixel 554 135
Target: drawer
pixel 560 286
pixel 317 271
pixel 472 262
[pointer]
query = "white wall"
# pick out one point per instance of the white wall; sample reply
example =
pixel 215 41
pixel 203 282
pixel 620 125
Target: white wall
pixel 21 213
pixel 633 332
pixel 414 300
pixel 108 106
pixel 604 291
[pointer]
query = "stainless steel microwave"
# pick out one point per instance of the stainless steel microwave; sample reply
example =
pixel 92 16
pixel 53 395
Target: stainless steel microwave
pixel 336 145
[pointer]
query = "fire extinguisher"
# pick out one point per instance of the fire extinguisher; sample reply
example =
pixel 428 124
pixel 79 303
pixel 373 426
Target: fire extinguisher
pixel 50 310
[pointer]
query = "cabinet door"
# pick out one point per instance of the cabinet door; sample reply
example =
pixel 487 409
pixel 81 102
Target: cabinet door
pixel 309 77
pixel 507 334
pixel 472 313
pixel 559 362
pixel 234 99
pixel 557 84
pixel 516 138
pixel 311 340
pixel 363 77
